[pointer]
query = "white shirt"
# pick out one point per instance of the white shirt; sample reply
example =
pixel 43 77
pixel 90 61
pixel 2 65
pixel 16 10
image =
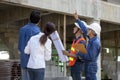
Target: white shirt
pixel 38 53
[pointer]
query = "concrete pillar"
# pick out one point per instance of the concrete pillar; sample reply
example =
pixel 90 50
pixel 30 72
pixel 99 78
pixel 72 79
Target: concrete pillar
pixel 99 68
pixel 116 39
pixel 118 71
pixel 99 63
pixel 64 40
pixel 59 24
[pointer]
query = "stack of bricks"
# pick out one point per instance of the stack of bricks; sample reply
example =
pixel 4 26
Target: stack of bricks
pixel 10 70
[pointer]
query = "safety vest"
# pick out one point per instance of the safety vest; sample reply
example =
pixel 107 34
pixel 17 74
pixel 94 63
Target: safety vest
pixel 72 60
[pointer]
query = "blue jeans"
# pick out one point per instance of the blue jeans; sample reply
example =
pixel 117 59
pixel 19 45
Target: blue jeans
pixel 76 76
pixel 76 71
pixel 90 71
pixel 36 74
pixel 24 73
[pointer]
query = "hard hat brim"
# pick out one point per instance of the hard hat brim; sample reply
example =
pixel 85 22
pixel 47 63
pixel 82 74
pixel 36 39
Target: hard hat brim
pixel 77 25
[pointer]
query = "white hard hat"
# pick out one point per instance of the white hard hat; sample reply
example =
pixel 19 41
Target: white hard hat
pixel 95 27
pixel 77 25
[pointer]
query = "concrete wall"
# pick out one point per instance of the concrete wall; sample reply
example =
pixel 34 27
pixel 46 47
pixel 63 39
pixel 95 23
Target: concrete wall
pixel 114 1
pixel 86 8
pixel 110 12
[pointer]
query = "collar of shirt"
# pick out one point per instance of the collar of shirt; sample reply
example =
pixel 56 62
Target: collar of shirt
pixel 32 24
pixel 92 39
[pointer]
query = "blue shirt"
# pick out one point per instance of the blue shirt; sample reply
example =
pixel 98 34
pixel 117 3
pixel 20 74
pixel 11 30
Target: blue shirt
pixel 93 50
pixel 26 32
pixel 93 47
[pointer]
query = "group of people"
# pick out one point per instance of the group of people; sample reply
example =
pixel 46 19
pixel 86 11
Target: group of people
pixel 35 48
pixel 93 47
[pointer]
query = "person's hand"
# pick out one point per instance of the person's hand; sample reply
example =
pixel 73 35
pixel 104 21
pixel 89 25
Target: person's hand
pixel 75 15
pixel 65 52
pixel 76 50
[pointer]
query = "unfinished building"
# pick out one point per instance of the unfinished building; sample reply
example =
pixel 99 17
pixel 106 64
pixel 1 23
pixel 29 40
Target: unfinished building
pixel 15 13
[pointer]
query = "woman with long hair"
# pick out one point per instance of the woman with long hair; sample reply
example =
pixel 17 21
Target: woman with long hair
pixel 39 49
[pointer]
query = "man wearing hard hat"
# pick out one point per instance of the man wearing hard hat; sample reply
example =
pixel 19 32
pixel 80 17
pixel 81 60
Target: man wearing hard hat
pixel 93 48
pixel 76 64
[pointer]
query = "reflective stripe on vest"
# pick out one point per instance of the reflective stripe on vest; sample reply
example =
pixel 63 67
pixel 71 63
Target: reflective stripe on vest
pixel 72 60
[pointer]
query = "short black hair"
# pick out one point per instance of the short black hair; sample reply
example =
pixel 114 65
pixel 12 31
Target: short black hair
pixel 35 17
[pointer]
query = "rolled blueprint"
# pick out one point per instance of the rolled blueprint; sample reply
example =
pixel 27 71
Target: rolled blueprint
pixel 59 46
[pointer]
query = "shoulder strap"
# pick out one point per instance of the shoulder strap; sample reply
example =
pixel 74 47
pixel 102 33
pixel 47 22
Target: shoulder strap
pixel 80 39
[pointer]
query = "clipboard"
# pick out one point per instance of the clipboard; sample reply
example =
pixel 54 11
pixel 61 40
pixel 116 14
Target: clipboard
pixel 81 48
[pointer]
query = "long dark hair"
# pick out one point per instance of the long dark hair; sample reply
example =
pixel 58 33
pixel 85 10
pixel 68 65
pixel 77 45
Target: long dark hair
pixel 49 28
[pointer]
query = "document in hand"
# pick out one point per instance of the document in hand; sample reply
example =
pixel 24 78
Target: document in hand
pixel 81 48
pixel 59 46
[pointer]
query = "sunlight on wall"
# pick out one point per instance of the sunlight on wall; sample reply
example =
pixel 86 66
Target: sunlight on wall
pixel 107 50
pixel 4 55
pixel 118 59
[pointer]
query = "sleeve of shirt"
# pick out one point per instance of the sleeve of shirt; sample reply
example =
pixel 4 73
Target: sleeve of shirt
pixel 29 34
pixel 48 50
pixel 19 42
pixel 82 26
pixel 27 48
pixel 91 55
